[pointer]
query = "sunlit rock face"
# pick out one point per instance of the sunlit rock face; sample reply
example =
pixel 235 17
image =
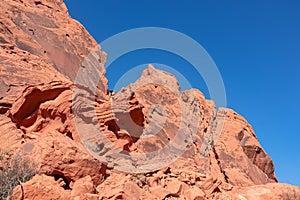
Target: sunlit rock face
pixel 148 141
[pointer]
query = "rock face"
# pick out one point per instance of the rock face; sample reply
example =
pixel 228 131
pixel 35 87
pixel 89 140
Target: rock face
pixel 274 191
pixel 57 155
pixel 152 140
pixel 37 189
pixel 40 43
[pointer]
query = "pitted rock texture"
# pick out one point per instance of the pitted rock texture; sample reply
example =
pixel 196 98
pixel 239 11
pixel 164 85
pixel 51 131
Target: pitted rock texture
pixel 61 121
pixel 40 43
pixel 59 156
pixel 153 110
pixel 241 158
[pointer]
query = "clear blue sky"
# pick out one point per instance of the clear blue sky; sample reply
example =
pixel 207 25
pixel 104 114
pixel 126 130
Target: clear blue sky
pixel 255 44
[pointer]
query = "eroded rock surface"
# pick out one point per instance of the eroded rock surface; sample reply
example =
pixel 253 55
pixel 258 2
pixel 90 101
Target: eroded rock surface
pixel 40 43
pixel 153 140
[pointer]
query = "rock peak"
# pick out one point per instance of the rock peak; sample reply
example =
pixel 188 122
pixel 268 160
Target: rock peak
pixel 152 75
pixel 150 67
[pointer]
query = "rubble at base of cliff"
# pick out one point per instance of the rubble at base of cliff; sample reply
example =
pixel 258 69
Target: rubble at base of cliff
pixel 44 105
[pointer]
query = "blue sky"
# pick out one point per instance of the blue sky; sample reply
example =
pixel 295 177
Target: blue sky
pixel 255 44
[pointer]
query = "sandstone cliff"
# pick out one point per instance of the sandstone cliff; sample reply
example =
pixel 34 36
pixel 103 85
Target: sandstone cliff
pixel 182 146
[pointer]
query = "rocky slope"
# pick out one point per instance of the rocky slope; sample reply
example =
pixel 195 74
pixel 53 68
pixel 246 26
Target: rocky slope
pixel 152 141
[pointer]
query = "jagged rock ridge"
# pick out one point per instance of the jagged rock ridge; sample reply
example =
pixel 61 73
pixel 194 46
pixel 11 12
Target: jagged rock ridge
pixel 42 106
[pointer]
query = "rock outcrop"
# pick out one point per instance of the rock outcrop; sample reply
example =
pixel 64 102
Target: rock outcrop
pixel 152 140
pixel 40 43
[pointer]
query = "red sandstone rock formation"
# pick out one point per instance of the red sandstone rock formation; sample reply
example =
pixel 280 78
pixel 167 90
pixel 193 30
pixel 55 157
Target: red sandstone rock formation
pixel 207 153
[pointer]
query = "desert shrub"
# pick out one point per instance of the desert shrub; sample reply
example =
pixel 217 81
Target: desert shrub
pixel 13 173
pixel 3 153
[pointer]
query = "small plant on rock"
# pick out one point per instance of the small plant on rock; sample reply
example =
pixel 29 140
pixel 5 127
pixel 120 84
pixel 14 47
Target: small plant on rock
pixel 14 173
